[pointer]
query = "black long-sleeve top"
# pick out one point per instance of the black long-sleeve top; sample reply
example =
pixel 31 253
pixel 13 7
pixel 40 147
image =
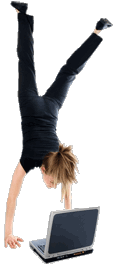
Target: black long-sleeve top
pixel 39 133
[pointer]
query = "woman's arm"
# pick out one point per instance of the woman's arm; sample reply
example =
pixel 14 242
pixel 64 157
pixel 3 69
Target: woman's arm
pixel 16 183
pixel 68 200
pixel 68 203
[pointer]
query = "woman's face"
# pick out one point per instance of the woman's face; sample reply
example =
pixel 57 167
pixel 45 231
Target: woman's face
pixel 48 180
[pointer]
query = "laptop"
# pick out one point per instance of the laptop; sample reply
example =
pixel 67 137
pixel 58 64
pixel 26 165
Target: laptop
pixel 70 234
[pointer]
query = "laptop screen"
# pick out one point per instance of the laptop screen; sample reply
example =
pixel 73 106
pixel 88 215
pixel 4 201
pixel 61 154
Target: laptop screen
pixel 72 230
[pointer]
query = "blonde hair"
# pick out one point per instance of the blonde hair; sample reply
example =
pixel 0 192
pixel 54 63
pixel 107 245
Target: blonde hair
pixel 61 166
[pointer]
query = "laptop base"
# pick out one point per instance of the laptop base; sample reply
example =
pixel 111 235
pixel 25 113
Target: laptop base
pixel 57 258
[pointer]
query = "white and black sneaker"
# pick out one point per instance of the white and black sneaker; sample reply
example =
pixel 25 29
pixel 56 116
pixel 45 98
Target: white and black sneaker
pixel 103 23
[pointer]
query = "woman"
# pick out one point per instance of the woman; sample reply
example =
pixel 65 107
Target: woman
pixel 41 146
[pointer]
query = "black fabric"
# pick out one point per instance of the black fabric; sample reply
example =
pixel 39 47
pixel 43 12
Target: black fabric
pixel 29 164
pixel 39 114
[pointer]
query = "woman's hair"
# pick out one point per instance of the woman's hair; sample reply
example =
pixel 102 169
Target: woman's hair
pixel 61 166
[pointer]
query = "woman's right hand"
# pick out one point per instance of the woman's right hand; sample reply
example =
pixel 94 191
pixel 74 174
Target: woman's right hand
pixel 12 241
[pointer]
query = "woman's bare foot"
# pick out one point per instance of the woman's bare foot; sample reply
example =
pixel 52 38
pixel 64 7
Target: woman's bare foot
pixel 97 31
pixel 17 11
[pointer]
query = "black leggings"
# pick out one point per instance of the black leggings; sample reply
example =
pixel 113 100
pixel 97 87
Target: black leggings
pixel 27 88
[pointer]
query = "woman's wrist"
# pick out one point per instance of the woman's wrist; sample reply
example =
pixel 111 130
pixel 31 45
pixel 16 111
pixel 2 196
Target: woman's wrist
pixel 6 235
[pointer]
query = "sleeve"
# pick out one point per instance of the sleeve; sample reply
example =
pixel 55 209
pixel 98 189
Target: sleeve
pixel 27 164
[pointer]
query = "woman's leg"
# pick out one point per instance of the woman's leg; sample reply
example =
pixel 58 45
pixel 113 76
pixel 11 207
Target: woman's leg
pixel 75 63
pixel 27 80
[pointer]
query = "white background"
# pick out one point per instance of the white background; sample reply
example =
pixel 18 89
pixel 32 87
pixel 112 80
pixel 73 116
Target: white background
pixel 86 121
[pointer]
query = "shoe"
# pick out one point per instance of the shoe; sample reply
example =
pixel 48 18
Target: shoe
pixel 22 7
pixel 103 23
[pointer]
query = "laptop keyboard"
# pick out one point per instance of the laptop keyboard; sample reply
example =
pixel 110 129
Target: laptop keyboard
pixel 42 247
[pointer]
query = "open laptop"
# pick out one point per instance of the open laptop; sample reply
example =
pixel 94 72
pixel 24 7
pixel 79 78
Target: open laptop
pixel 70 234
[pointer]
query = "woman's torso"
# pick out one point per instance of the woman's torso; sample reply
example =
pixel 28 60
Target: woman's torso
pixel 39 119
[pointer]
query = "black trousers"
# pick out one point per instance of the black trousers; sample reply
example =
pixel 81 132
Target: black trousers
pixel 27 88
